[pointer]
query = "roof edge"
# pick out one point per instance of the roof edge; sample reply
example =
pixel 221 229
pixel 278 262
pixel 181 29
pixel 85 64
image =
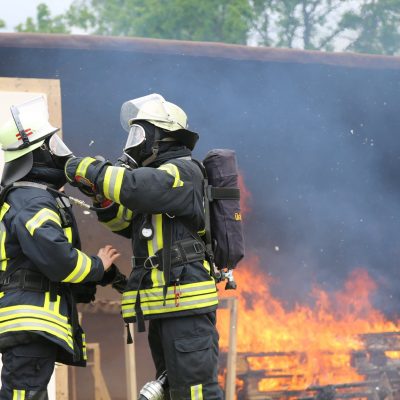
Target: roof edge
pixel 196 49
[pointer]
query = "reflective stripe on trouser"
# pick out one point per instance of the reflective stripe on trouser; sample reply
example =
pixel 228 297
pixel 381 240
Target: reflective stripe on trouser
pixel 192 296
pixel 27 369
pixel 196 392
pixel 187 347
pixel 18 394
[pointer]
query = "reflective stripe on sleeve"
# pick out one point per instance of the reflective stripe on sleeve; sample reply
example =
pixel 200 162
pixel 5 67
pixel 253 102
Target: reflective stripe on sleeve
pixel 121 221
pixel 112 183
pixel 83 166
pixel 81 270
pixel 173 170
pixel 40 218
pixel 196 392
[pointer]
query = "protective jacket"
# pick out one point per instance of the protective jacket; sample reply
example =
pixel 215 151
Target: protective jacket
pixel 42 266
pixel 153 204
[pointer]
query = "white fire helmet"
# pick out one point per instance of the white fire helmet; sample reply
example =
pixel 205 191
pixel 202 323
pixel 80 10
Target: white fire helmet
pixel 26 131
pixel 159 112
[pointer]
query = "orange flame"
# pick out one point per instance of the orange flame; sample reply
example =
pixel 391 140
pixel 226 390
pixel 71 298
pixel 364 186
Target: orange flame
pixel 306 345
pixel 245 196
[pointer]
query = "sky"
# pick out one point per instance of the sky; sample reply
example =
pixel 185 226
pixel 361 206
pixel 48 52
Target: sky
pixel 13 12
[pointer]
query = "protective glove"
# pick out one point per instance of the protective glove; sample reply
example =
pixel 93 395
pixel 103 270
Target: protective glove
pixel 84 292
pixel 114 277
pixel 83 172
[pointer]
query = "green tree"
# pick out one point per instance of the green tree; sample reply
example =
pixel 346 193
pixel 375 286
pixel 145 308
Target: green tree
pixel 44 22
pixel 2 23
pixel 375 27
pixel 305 24
pixel 205 20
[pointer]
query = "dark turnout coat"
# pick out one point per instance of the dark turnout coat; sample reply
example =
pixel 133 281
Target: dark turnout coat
pixel 38 235
pixel 153 200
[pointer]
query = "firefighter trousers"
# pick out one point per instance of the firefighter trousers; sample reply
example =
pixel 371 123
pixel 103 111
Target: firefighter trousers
pixel 27 369
pixel 187 347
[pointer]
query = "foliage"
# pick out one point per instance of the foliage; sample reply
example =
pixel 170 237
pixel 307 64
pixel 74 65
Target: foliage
pixel 205 20
pixel 44 22
pixel 370 26
pixel 377 26
pixel 2 23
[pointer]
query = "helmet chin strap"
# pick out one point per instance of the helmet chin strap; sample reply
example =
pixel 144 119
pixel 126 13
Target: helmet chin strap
pixel 155 148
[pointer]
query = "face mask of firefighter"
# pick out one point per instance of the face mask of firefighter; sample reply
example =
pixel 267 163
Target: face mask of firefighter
pixel 49 161
pixel 135 146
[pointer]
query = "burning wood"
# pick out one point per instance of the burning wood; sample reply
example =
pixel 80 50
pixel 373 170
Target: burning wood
pixel 341 347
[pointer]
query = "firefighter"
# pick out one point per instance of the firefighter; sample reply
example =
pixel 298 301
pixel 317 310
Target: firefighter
pixel 43 271
pixel 157 201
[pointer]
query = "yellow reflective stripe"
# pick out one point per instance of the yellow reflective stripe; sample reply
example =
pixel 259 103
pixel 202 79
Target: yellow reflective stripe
pixel 3 233
pixel 53 306
pixel 18 394
pixel 84 352
pixel 5 207
pixel 121 220
pixel 40 218
pixel 169 307
pixel 31 312
pixel 3 255
pixel 83 166
pixel 173 170
pixel 32 324
pixel 196 392
pixel 1 294
pixel 205 286
pixel 81 270
pixel 112 183
pixel 27 317
pixel 68 234
pixel 157 277
pixel 206 265
pixel 192 297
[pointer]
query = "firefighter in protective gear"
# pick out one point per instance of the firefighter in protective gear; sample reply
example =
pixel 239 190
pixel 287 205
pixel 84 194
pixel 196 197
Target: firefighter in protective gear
pixel 158 202
pixel 43 272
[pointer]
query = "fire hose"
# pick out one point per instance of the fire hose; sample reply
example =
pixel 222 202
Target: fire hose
pixel 154 390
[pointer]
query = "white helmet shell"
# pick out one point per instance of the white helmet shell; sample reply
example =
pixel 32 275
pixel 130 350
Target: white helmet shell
pixel 33 119
pixel 159 112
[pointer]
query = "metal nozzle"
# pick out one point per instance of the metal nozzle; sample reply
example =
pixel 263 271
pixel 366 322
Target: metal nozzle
pixel 154 390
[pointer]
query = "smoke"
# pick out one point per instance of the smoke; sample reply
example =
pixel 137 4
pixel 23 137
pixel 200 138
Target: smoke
pixel 317 144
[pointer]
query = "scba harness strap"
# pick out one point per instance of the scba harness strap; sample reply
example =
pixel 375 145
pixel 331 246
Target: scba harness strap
pixel 180 253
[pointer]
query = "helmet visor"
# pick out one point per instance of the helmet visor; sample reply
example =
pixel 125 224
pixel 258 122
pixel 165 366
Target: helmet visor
pixel 136 136
pixel 149 108
pixel 58 147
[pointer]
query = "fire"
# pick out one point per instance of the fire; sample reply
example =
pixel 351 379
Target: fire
pixel 245 196
pixel 308 345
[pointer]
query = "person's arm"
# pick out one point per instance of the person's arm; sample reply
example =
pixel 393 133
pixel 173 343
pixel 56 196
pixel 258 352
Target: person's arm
pixel 39 230
pixel 148 190
pixel 117 218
